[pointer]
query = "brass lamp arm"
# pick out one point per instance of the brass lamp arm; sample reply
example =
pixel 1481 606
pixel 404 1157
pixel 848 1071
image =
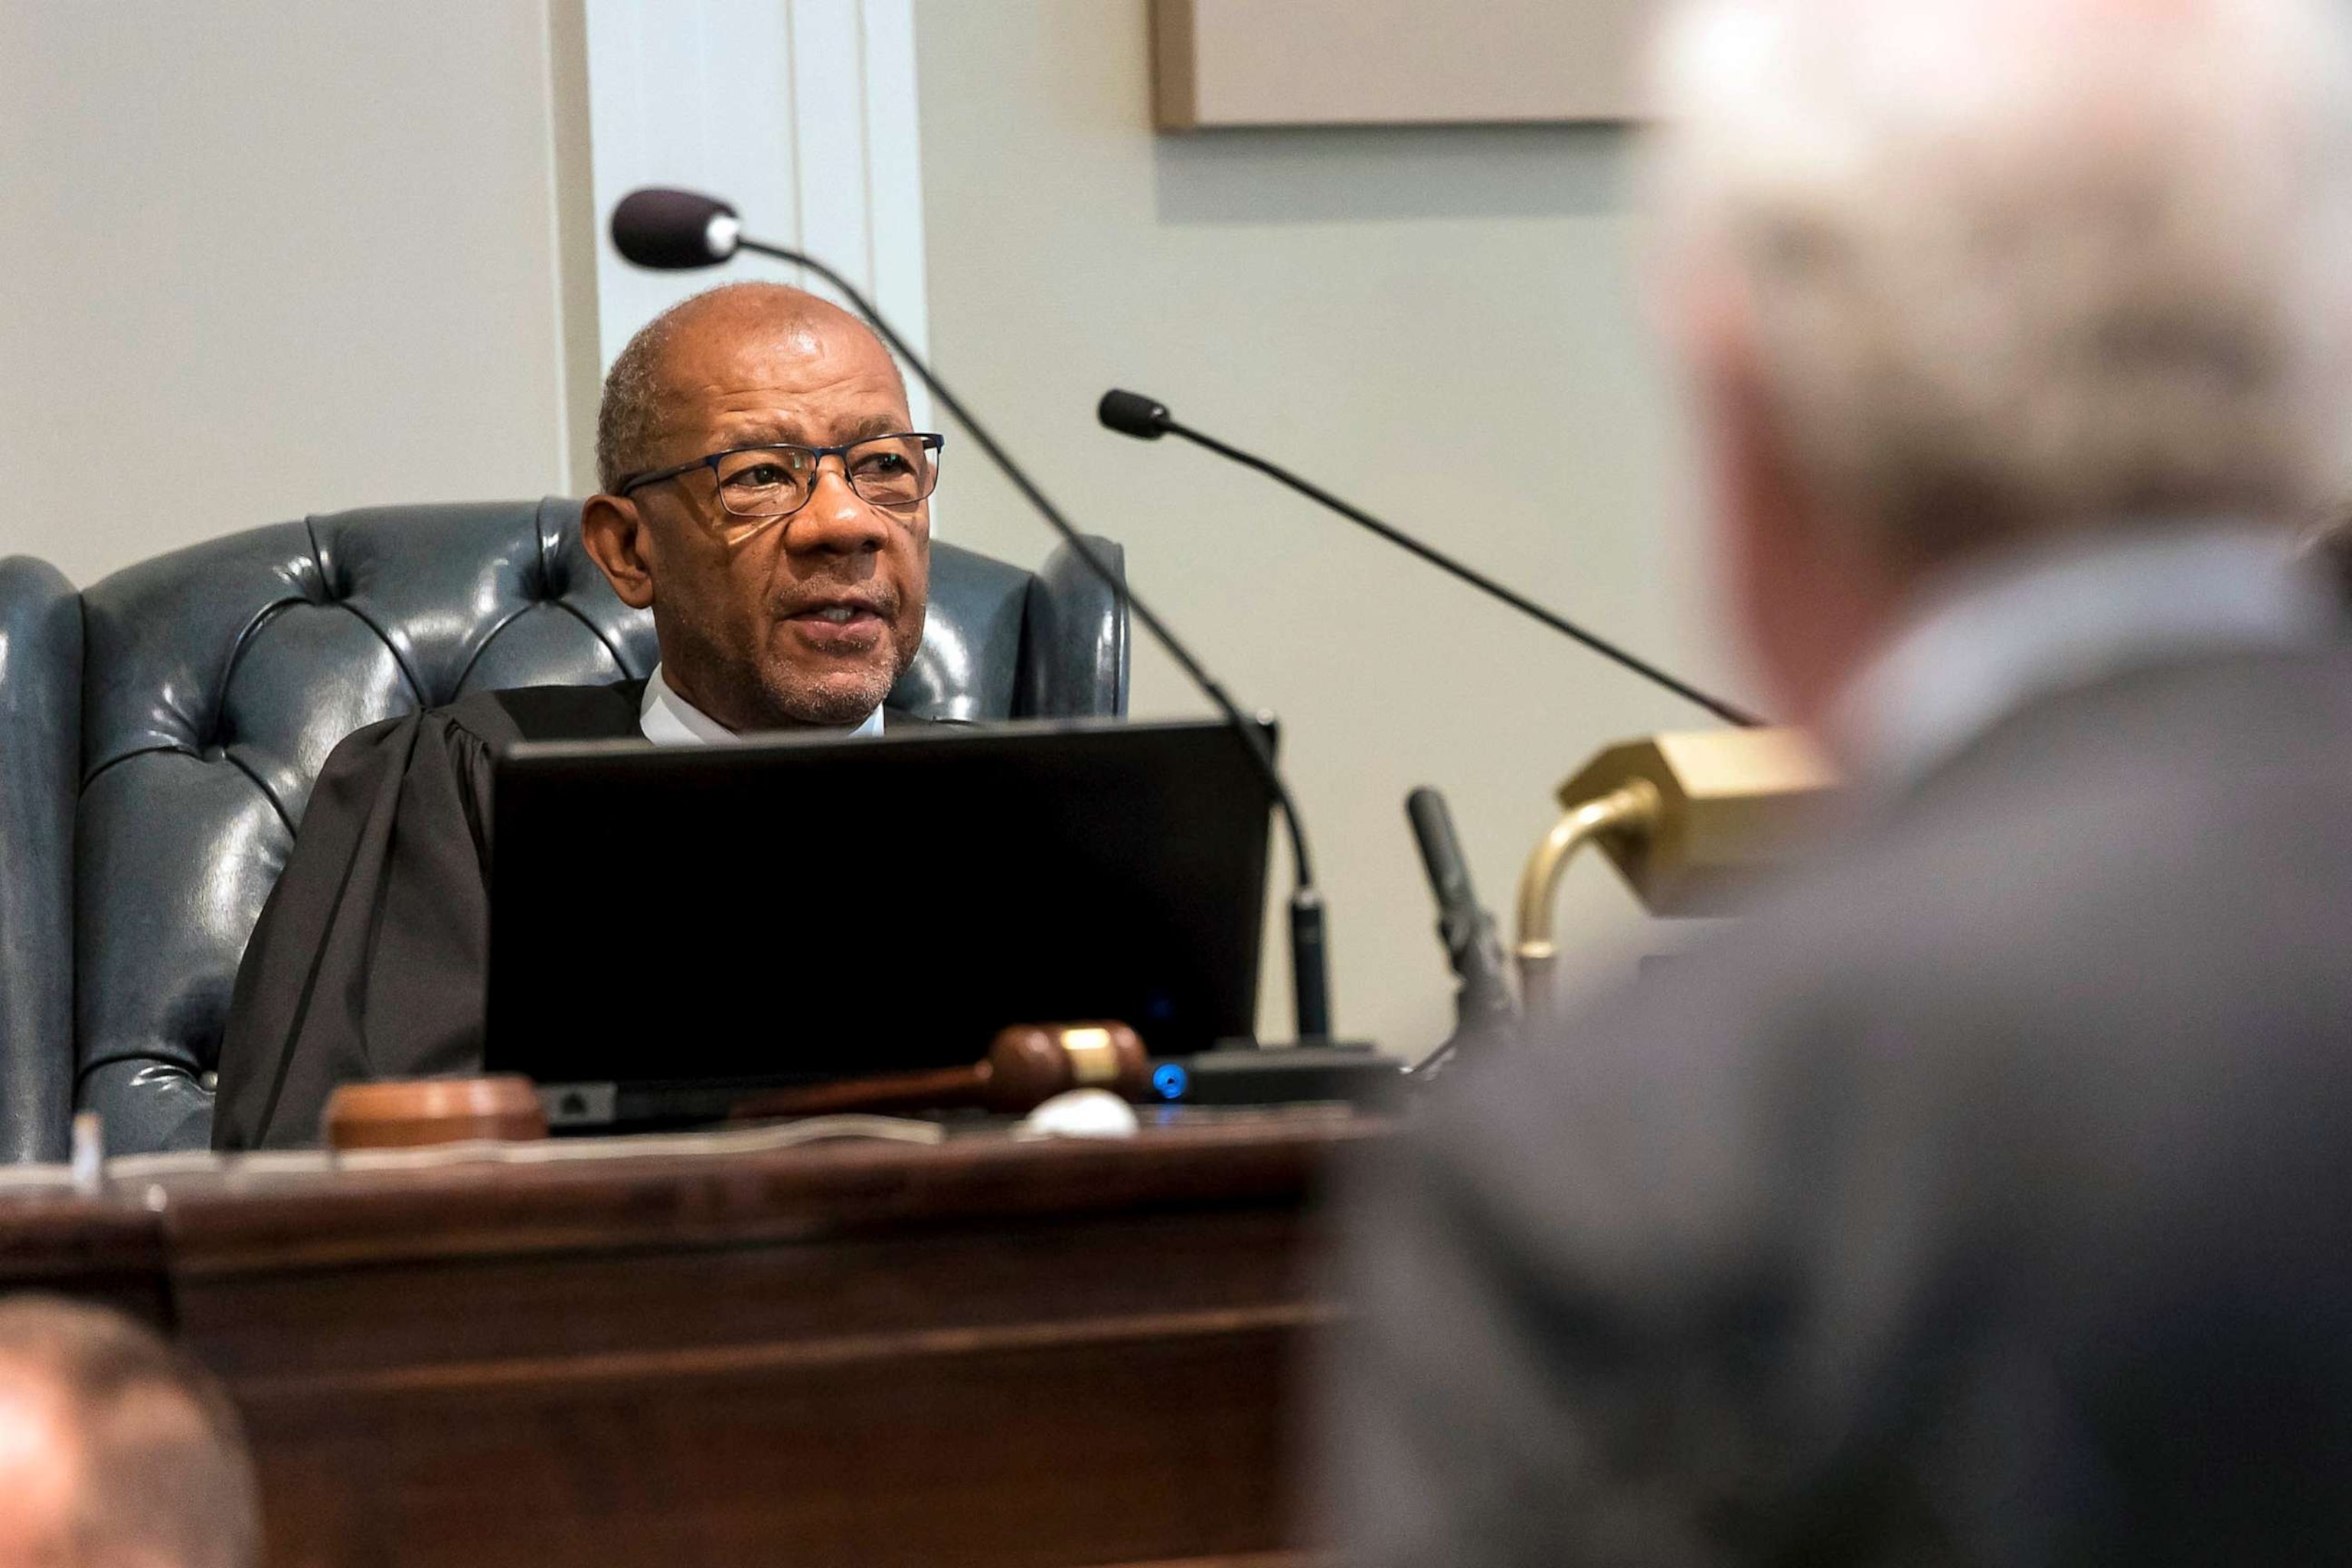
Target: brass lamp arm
pixel 1631 807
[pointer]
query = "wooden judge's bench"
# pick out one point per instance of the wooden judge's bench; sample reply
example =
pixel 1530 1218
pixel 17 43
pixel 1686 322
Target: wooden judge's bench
pixel 967 1349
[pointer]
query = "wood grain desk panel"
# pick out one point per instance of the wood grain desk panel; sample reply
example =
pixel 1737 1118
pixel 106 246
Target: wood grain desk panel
pixel 982 1353
pixel 97 1249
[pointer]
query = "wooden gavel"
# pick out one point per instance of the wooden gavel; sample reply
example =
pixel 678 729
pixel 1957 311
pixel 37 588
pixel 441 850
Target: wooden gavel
pixel 1026 1066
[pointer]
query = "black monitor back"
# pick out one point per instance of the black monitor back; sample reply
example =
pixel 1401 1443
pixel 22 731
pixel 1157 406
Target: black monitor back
pixel 688 920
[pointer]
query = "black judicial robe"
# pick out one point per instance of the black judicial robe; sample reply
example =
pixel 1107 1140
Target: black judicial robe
pixel 371 957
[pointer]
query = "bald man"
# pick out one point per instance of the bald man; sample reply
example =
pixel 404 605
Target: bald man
pixel 115 1452
pixel 762 495
pixel 1981 1198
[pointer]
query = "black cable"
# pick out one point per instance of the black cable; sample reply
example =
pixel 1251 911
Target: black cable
pixel 1525 606
pixel 1309 990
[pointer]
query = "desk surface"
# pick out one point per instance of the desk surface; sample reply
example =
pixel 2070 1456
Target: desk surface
pixel 973 1350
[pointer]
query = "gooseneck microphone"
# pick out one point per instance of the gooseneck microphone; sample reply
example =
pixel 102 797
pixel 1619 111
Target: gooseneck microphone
pixel 1485 1015
pixel 1132 413
pixel 670 230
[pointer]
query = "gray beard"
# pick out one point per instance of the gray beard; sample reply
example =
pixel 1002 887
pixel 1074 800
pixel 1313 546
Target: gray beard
pixel 829 706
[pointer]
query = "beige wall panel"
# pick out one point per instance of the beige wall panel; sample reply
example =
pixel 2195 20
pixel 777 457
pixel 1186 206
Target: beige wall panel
pixel 258 259
pixel 1394 62
pixel 1443 325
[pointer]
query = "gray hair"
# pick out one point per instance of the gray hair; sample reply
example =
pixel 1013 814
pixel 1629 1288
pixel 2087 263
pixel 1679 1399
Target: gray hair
pixel 628 416
pixel 2023 266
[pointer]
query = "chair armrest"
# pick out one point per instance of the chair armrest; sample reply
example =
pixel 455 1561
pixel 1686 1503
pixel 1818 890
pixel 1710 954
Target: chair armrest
pixel 41 767
pixel 149 1105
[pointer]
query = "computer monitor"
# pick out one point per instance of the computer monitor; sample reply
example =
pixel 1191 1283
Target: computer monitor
pixel 673 928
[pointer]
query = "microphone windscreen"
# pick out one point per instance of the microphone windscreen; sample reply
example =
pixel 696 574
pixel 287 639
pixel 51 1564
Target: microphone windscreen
pixel 1441 851
pixel 1132 413
pixel 673 230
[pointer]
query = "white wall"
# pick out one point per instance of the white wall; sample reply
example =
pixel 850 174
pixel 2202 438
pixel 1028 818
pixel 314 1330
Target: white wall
pixel 802 113
pixel 258 259
pixel 1442 324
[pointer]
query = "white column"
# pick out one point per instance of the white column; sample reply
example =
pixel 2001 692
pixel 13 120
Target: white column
pixel 801 113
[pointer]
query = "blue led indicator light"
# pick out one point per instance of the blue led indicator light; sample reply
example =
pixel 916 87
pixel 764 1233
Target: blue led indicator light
pixel 1171 1081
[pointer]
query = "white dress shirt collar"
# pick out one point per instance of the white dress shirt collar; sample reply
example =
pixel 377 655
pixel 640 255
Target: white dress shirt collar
pixel 1987 640
pixel 668 720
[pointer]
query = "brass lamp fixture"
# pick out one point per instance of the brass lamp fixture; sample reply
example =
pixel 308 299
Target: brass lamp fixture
pixel 1687 820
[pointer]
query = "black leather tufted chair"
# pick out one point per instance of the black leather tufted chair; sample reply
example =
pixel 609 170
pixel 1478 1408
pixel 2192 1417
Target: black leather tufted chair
pixel 159 734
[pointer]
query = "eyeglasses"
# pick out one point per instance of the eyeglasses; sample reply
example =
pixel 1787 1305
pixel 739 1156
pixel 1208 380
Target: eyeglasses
pixel 768 483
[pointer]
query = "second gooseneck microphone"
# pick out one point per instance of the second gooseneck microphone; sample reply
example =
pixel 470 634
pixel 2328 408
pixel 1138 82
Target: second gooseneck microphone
pixel 1486 1018
pixel 672 230
pixel 1146 419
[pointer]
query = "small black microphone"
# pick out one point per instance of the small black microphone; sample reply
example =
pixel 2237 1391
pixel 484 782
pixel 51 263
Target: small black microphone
pixel 672 230
pixel 1132 413
pixel 1485 1015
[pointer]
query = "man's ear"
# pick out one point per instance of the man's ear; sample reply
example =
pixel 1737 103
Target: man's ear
pixel 615 537
pixel 1809 591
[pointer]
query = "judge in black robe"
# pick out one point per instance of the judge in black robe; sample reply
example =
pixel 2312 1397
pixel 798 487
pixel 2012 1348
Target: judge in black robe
pixel 755 462
pixel 371 958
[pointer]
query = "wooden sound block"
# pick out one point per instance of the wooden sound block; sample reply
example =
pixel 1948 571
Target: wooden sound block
pixel 409 1113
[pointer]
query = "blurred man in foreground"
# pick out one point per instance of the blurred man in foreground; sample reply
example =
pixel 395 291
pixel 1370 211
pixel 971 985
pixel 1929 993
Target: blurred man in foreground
pixel 114 1452
pixel 1985 1198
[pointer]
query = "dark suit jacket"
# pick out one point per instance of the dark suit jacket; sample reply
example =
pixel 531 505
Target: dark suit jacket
pixel 1987 1199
